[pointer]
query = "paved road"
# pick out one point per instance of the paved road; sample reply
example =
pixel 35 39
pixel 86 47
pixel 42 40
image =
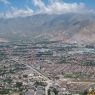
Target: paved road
pixel 49 84
pixel 48 81
pixel 37 71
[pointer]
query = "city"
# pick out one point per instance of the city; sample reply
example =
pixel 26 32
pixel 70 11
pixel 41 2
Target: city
pixel 47 47
pixel 46 68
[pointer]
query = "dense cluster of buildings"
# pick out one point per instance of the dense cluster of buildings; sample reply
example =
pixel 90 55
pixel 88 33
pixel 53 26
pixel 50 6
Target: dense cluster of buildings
pixel 46 68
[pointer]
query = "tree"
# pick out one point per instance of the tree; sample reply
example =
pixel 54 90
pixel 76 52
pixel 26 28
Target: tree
pixel 18 84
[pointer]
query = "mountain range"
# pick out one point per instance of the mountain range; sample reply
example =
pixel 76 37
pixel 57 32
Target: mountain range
pixel 67 27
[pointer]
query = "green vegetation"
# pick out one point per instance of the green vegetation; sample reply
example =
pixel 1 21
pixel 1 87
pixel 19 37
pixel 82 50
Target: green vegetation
pixel 8 80
pixel 88 63
pixel 4 91
pixel 45 53
pixel 40 83
pixel 76 75
pixel 52 91
pixel 2 55
pixel 18 84
pixel 72 75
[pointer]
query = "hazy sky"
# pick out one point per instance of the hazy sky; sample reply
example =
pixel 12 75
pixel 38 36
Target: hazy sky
pixel 14 8
pixel 88 3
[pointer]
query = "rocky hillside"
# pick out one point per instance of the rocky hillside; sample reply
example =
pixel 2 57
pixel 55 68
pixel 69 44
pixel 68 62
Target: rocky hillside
pixel 68 27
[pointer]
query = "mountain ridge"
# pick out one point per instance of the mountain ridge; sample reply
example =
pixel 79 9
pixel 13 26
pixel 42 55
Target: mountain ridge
pixel 70 27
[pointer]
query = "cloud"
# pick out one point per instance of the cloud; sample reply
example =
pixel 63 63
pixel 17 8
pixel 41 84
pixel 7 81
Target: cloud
pixel 58 6
pixel 53 7
pixel 18 12
pixel 52 1
pixel 5 1
pixel 39 4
